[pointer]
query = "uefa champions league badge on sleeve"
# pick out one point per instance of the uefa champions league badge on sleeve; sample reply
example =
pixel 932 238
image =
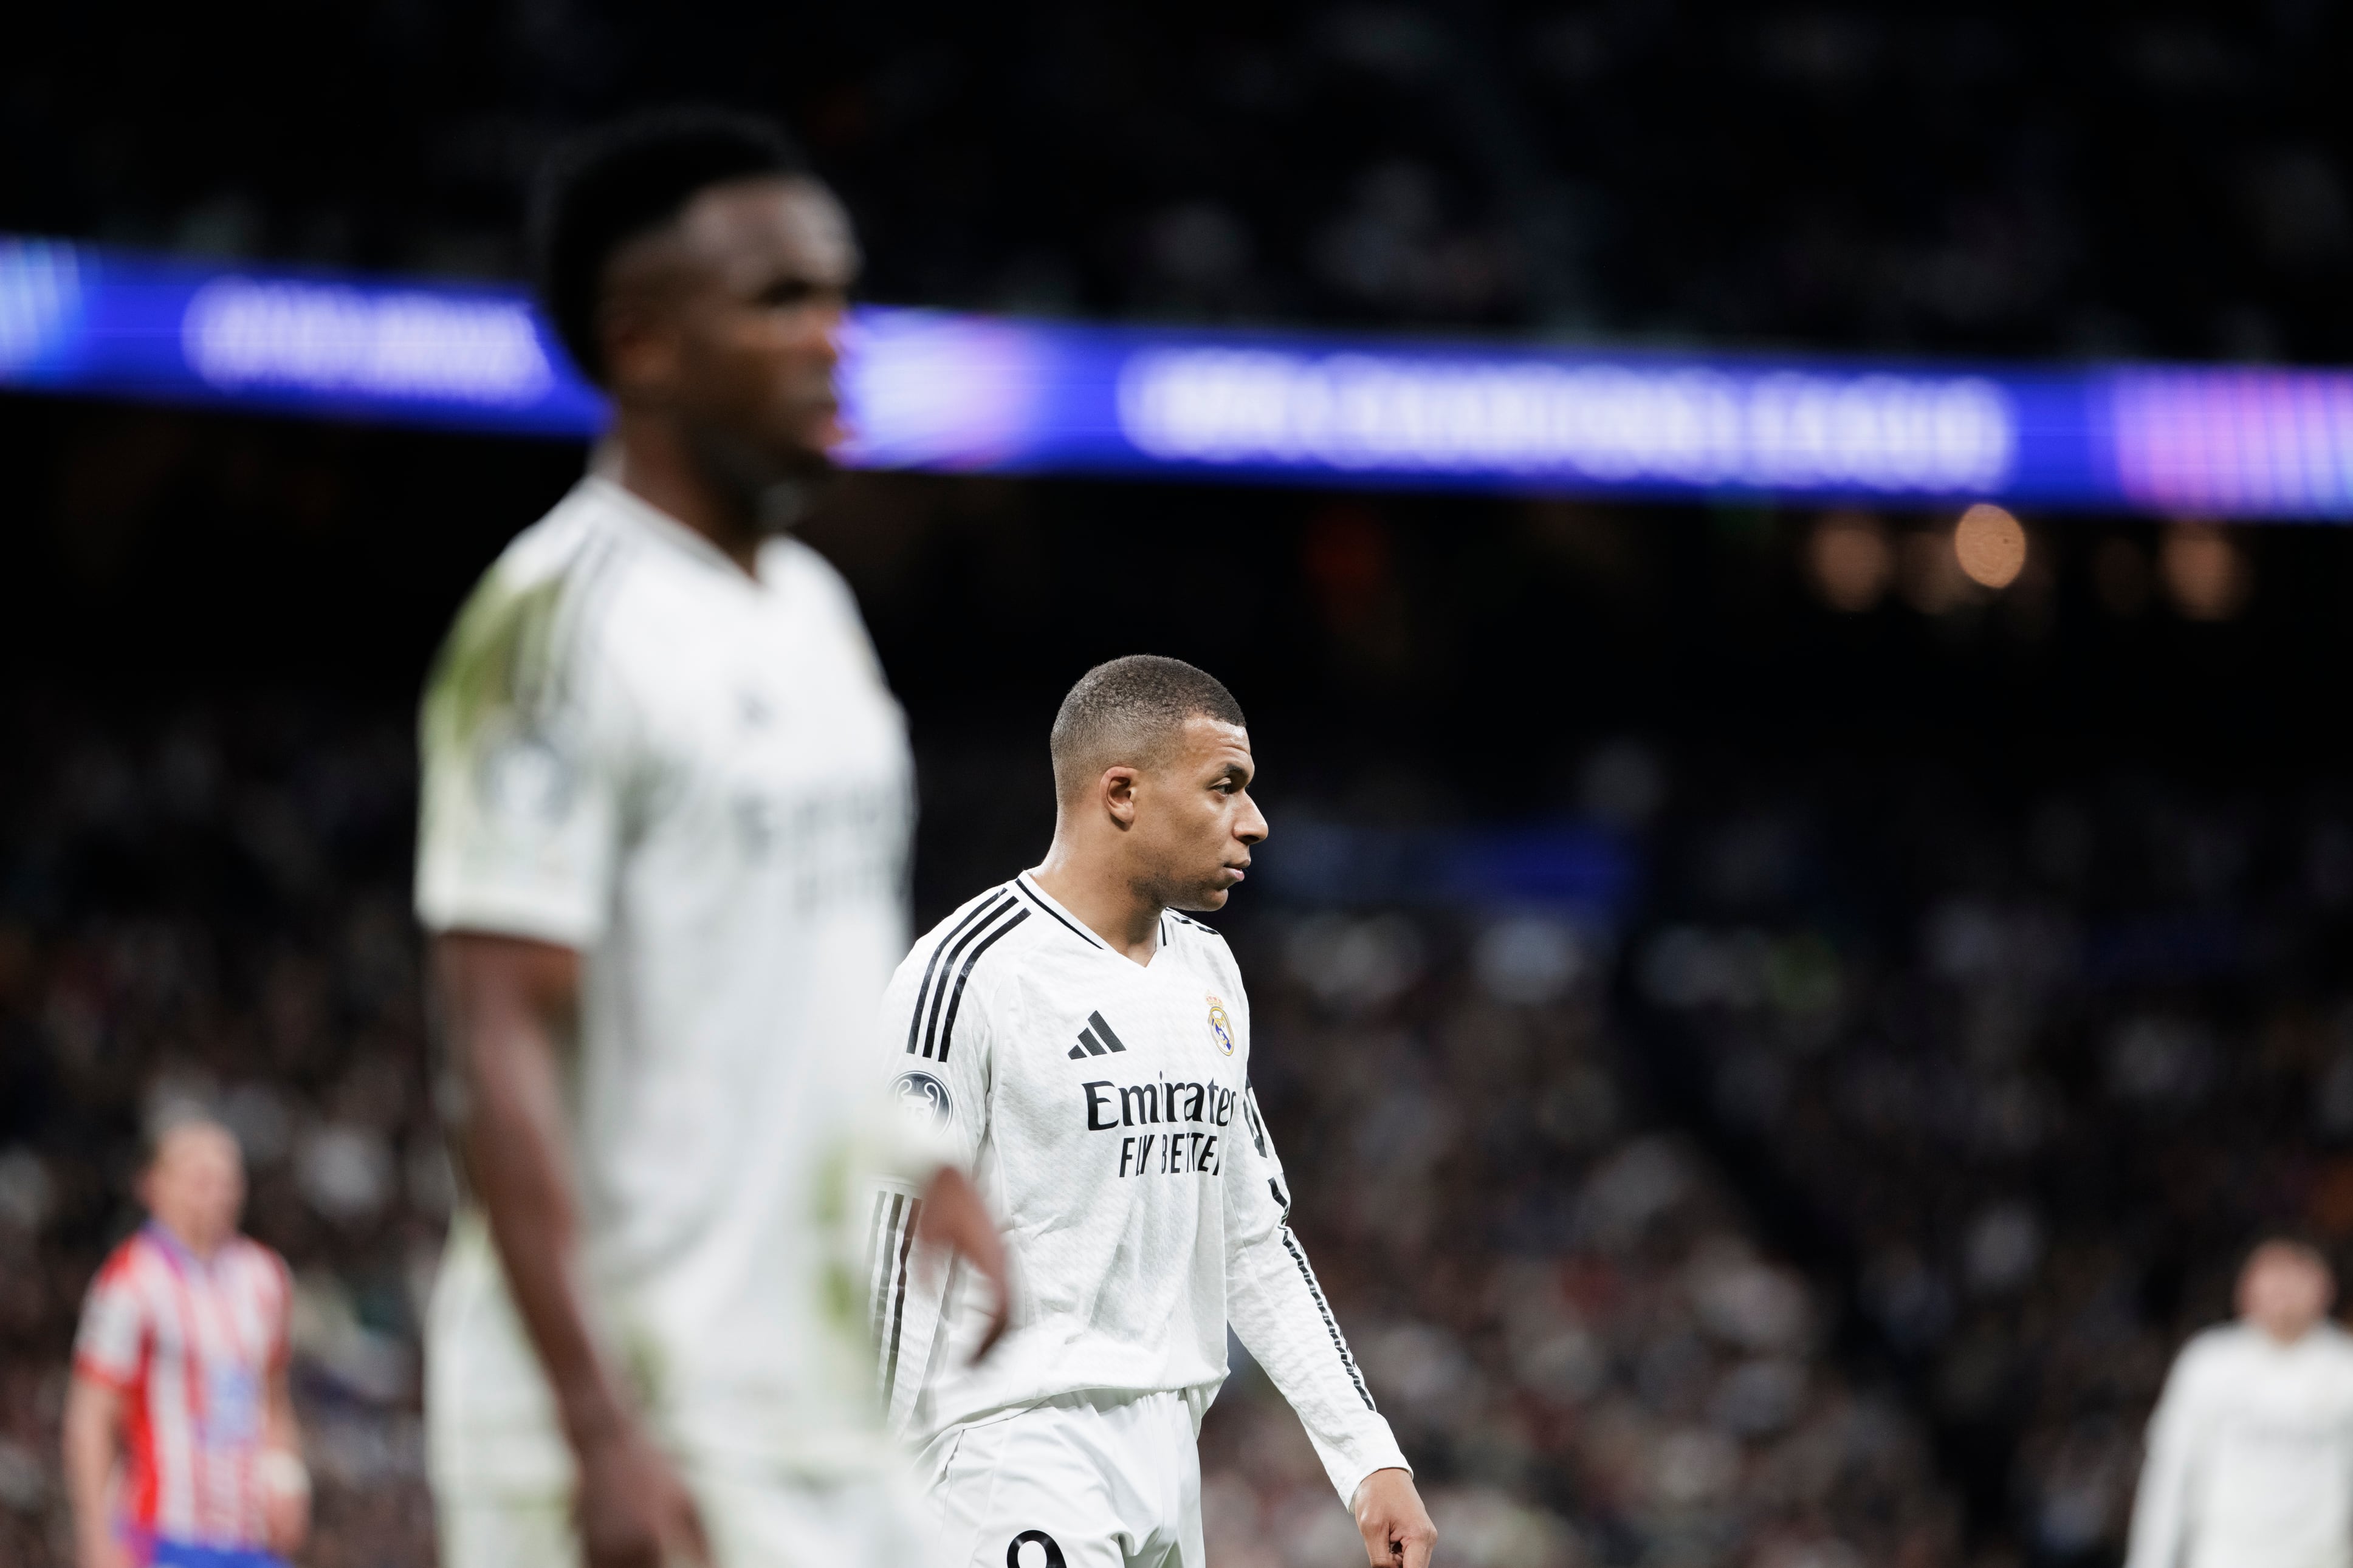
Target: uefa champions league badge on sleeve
pixel 920 1095
pixel 1222 1028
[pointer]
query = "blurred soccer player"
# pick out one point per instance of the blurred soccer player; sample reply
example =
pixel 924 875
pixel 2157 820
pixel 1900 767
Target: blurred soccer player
pixel 180 1441
pixel 2250 1457
pixel 1089 1049
pixel 663 853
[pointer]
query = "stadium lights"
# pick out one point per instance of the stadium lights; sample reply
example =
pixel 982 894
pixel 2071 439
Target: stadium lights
pixel 1991 545
pixel 932 390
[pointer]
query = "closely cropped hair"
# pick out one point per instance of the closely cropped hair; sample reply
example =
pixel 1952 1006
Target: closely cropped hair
pixel 608 186
pixel 1128 711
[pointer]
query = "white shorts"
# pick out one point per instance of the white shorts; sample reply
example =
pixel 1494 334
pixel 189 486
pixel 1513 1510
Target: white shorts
pixel 862 1524
pixel 1078 1482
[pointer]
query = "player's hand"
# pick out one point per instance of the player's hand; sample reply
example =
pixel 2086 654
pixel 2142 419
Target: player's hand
pixel 954 1216
pixel 634 1512
pixel 286 1521
pixel 1395 1527
pixel 285 1502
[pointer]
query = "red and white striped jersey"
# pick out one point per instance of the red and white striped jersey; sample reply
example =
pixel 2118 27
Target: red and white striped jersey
pixel 190 1343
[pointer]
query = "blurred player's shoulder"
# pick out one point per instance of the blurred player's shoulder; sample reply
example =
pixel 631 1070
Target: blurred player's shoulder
pixel 516 625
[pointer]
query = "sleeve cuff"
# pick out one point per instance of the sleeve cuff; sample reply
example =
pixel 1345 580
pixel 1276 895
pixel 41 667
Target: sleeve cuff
pixel 1348 1470
pixel 90 1369
pixel 505 912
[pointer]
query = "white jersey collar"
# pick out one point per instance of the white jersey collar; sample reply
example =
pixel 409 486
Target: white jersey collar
pixel 646 518
pixel 1026 884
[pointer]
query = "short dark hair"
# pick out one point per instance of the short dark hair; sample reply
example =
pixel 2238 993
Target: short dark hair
pixel 1127 710
pixel 605 188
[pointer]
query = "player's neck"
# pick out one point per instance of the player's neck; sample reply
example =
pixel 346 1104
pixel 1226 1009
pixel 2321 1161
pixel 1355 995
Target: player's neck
pixel 651 462
pixel 1107 903
pixel 193 1240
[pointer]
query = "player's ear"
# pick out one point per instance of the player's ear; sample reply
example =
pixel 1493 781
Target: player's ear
pixel 640 345
pixel 1118 788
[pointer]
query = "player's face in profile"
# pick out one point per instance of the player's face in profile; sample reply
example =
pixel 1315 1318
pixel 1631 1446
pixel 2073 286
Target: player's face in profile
pixel 769 263
pixel 1197 816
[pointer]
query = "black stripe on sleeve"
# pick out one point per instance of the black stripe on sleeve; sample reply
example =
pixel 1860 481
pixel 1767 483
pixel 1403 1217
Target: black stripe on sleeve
pixel 955 997
pixel 914 1018
pixel 1330 1327
pixel 939 991
pixel 899 1308
pixel 1045 907
pixel 884 1266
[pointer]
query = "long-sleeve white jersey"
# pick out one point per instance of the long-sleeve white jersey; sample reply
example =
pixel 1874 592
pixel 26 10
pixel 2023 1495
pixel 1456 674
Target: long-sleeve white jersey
pixel 2251 1455
pixel 1104 1107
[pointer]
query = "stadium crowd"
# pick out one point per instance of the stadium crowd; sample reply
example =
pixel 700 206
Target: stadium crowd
pixel 2026 1069
pixel 1582 1339
pixel 1980 179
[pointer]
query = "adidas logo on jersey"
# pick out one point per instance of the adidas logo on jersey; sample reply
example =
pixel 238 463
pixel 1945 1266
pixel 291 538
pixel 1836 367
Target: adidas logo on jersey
pixel 1095 1039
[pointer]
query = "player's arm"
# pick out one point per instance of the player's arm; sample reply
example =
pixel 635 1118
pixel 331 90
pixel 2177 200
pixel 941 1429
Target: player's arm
pixel 956 1219
pixel 2161 1515
pixel 1280 1313
pixel 509 1007
pixel 110 1345
pixel 93 1428
pixel 937 1071
pixel 286 1483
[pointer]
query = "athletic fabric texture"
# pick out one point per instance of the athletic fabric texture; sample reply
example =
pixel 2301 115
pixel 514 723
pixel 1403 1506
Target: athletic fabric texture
pixel 870 1523
pixel 1104 1109
pixel 1071 1483
pixel 698 781
pixel 190 1344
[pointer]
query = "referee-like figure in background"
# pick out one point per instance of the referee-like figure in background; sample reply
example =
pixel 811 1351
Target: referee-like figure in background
pixel 2251 1451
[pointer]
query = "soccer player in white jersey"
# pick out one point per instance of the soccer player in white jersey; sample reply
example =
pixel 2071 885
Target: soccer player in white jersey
pixel 2249 1460
pixel 1087 1047
pixel 662 857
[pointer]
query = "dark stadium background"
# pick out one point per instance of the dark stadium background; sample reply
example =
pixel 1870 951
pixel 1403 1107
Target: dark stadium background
pixel 1838 1200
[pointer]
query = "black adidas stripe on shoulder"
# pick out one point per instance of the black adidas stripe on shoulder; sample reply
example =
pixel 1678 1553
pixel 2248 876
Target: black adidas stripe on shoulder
pixel 984 910
pixel 955 997
pixel 931 1024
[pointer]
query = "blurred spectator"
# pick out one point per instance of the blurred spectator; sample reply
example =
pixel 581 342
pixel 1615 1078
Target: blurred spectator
pixel 206 908
pixel 2251 1451
pixel 1883 176
pixel 2020 1063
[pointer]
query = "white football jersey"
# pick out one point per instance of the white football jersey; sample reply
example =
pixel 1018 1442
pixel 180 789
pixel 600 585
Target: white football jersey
pixel 1104 1107
pixel 700 782
pixel 2250 1456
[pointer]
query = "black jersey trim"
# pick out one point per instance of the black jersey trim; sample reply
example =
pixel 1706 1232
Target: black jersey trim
pixel 899 1305
pixel 888 1208
pixel 1022 884
pixel 916 1018
pixel 953 950
pixel 1330 1326
pixel 955 998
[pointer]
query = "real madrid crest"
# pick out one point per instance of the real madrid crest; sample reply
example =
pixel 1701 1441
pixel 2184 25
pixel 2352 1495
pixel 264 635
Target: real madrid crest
pixel 1222 1028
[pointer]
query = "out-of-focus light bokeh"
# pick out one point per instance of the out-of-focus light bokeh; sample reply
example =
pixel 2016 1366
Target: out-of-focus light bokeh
pixel 2206 574
pixel 1991 545
pixel 1851 560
